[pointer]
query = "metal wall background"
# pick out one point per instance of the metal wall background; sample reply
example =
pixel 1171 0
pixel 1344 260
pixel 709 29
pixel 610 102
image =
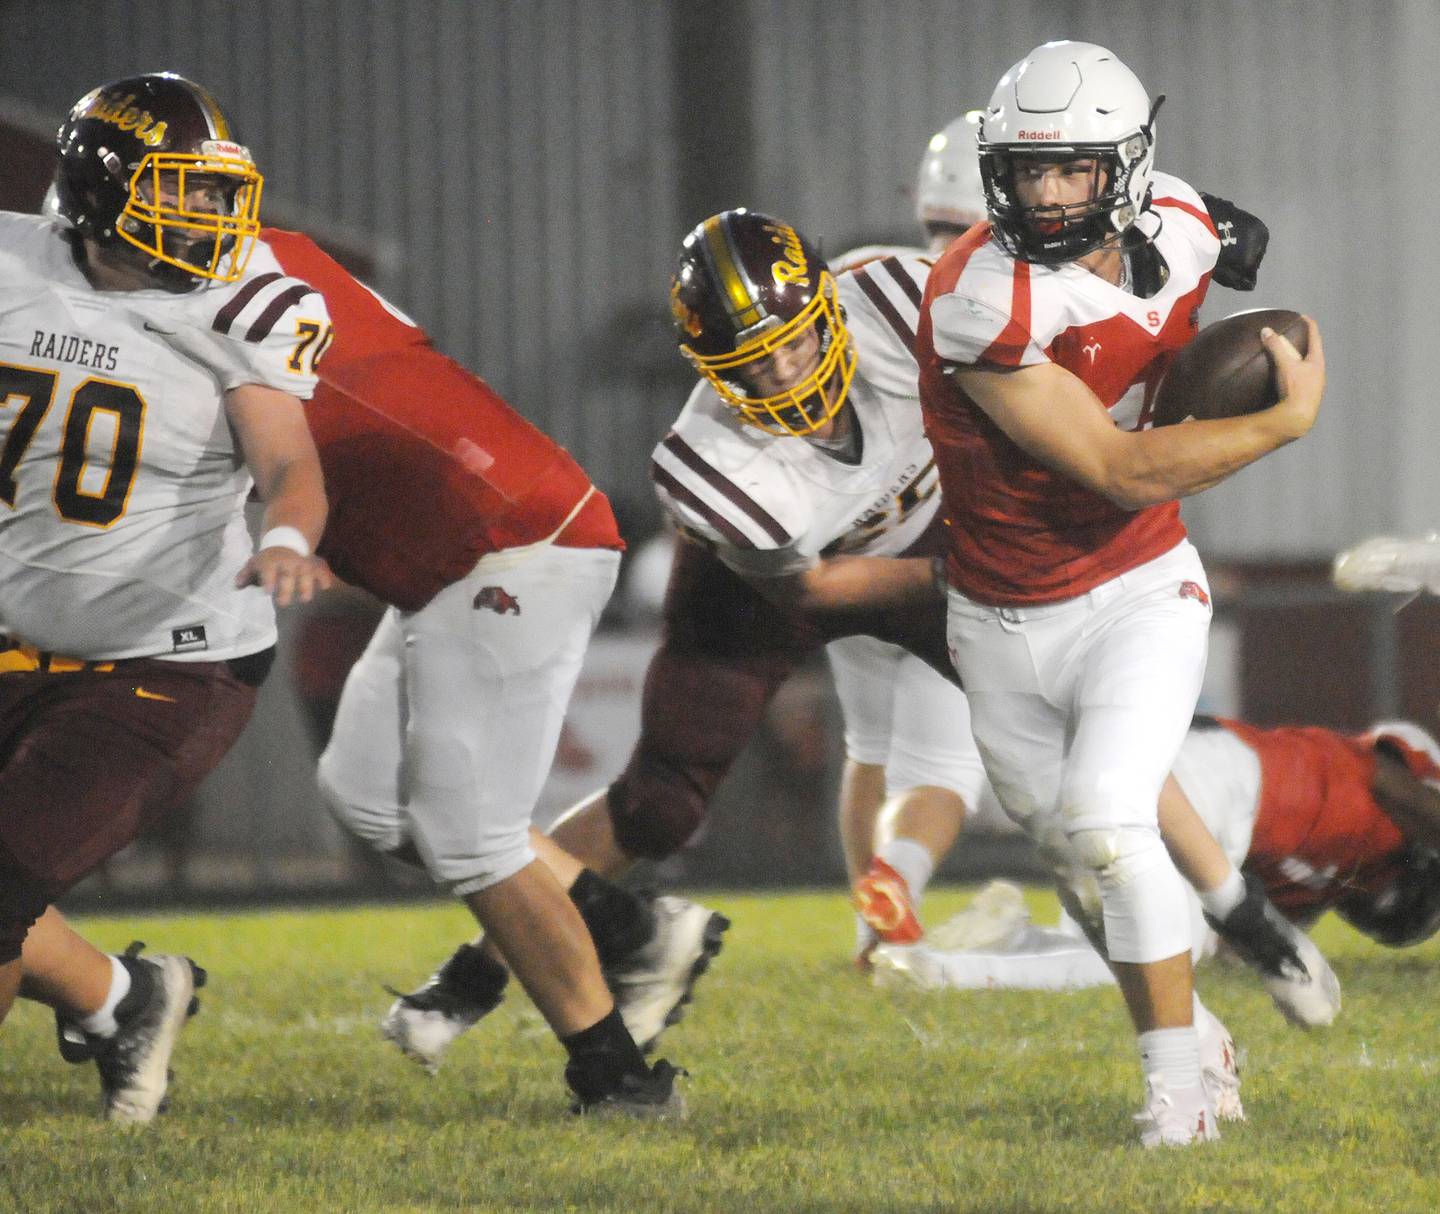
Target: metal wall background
pixel 517 161
pixel 512 160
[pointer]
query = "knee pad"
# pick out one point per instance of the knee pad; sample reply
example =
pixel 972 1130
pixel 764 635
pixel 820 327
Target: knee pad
pixel 653 812
pixel 1146 908
pixel 1118 854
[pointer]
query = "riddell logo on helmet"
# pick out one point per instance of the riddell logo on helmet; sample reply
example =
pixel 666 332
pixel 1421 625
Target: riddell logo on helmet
pixel 121 112
pixel 1039 136
pixel 794 268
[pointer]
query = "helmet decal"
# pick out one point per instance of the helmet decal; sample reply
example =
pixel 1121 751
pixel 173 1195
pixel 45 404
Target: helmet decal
pixel 121 112
pixel 793 269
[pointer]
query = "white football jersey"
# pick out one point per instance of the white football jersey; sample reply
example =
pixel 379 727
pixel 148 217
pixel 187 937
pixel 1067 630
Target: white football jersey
pixel 773 505
pixel 122 526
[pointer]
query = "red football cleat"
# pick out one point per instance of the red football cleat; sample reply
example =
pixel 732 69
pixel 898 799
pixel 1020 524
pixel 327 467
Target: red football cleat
pixel 883 900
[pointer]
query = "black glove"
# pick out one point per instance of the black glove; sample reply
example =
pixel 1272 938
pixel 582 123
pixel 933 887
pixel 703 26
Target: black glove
pixel 1242 243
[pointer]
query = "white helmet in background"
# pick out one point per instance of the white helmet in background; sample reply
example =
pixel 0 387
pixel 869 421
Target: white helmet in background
pixel 949 192
pixel 1067 101
pixel 1412 735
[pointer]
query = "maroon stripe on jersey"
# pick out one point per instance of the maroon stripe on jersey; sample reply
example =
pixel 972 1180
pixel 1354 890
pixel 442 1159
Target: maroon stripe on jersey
pixel 754 510
pixel 226 316
pixel 892 266
pixel 1190 209
pixel 277 308
pixel 1007 349
pixel 886 309
pixel 683 495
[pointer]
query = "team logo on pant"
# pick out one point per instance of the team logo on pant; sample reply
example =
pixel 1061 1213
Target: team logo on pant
pixel 497 599
pixel 1189 590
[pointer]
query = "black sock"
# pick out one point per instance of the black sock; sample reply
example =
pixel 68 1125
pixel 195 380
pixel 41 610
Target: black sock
pixel 620 921
pixel 601 1056
pixel 474 975
pixel 143 976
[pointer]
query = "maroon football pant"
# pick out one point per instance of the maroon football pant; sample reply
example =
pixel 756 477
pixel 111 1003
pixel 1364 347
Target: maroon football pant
pixel 90 757
pixel 724 651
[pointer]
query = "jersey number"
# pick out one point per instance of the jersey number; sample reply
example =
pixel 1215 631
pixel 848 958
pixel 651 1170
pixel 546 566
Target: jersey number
pixel 309 333
pixel 35 390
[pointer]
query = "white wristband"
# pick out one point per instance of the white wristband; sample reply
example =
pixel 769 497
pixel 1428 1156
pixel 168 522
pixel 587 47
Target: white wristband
pixel 286 537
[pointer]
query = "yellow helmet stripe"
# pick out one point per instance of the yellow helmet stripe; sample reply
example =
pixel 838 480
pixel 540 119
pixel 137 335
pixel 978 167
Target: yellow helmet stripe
pixel 740 293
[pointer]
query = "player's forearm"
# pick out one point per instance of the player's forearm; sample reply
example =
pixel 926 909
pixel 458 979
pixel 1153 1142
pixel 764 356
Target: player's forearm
pixel 294 496
pixel 845 583
pixel 1177 461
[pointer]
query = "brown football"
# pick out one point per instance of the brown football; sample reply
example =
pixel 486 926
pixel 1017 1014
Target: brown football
pixel 1225 371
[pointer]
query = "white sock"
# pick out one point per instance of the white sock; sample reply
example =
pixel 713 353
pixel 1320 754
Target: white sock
pixel 1226 896
pixel 912 861
pixel 864 936
pixel 1173 1054
pixel 102 1023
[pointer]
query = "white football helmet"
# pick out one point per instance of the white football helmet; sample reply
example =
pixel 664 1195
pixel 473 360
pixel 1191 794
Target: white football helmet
pixel 949 191
pixel 1067 101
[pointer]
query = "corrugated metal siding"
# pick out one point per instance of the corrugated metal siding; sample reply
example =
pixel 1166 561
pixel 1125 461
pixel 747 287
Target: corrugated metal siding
pixel 519 157
pixel 513 156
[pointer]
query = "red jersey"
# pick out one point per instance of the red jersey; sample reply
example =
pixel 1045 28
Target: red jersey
pixel 1319 833
pixel 1020 531
pixel 427 469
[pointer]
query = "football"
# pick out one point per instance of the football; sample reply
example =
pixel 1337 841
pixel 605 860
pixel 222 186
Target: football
pixel 1225 371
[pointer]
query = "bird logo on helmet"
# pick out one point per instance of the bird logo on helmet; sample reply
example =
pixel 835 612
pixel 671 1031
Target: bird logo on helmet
pixel 151 162
pixel 1067 101
pixel 748 286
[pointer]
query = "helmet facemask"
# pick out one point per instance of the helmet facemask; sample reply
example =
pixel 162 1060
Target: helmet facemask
pixel 1052 234
pixel 196 212
pixel 802 407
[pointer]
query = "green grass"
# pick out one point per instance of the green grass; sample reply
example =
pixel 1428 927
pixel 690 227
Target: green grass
pixel 809 1091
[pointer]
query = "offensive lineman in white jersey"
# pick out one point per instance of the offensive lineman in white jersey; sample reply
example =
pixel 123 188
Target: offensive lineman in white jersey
pixel 152 374
pixel 847 472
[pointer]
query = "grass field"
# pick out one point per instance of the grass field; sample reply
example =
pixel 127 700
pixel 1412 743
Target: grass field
pixel 809 1090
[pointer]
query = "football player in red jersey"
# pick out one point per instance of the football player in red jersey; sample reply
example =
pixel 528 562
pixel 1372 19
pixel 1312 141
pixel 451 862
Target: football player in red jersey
pixel 1078 616
pixel 1322 820
pixel 152 378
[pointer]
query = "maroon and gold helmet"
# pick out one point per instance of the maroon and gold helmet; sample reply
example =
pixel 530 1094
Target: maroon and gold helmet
pixel 151 160
pixel 747 285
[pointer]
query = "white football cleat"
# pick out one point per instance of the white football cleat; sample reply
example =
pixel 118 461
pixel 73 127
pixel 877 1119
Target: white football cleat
pixel 994 920
pixel 653 984
pixel 1220 1071
pixel 425 1022
pixel 1387 562
pixel 134 1064
pixel 1176 1117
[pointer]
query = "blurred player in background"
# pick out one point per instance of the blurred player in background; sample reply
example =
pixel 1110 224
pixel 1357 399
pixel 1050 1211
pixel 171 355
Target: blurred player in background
pixel 1078 611
pixel 908 780
pixel 1320 819
pixel 153 367
pixel 1390 562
